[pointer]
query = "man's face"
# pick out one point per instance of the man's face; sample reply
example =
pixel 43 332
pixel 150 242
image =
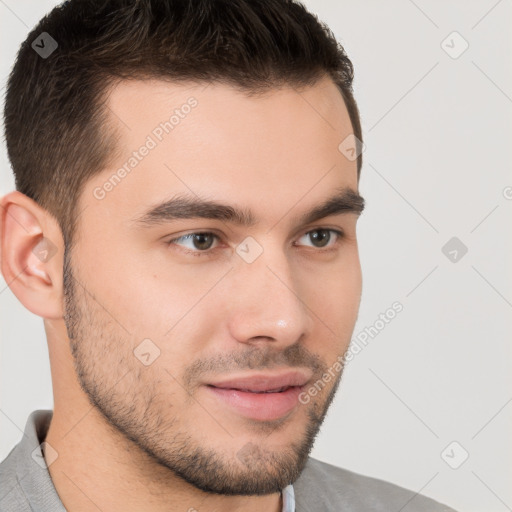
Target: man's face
pixel 196 347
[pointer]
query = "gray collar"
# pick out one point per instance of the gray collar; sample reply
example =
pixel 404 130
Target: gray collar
pixel 33 475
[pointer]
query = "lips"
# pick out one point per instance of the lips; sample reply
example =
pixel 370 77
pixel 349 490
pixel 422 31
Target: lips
pixel 278 390
pixel 261 397
pixel 264 383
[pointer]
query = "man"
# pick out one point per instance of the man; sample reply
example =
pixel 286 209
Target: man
pixel 185 224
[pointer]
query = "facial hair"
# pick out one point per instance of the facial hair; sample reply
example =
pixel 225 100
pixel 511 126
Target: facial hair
pixel 132 406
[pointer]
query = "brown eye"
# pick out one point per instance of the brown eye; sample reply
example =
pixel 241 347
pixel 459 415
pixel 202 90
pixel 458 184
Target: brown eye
pixel 197 243
pixel 321 237
pixel 202 241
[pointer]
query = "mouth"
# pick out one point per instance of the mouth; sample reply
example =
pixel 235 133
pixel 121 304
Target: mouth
pixel 279 390
pixel 262 397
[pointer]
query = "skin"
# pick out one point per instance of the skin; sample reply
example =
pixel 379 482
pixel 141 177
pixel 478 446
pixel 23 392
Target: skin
pixel 294 306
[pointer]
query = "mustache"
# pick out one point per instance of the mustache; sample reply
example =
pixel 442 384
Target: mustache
pixel 254 358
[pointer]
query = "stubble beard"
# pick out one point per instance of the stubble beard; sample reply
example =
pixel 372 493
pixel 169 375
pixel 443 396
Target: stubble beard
pixel 255 470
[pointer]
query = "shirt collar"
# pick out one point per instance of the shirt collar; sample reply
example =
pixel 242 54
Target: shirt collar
pixel 33 475
pixel 288 499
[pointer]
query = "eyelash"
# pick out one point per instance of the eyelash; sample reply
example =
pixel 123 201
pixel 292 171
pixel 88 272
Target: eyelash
pixel 209 252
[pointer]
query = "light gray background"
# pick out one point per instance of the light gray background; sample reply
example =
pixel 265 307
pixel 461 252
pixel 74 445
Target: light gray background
pixel 436 130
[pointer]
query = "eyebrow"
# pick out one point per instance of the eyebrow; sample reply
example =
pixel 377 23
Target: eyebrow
pixel 346 200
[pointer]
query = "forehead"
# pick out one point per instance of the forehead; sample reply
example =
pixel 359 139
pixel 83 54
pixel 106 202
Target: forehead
pixel 216 141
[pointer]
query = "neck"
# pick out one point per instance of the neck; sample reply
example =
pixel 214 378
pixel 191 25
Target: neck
pixel 98 468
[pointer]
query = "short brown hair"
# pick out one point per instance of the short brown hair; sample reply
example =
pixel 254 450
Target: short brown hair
pixel 56 126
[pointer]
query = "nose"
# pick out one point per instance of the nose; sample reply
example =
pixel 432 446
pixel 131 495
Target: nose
pixel 267 306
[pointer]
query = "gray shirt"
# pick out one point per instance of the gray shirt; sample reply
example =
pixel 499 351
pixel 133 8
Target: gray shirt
pixel 26 485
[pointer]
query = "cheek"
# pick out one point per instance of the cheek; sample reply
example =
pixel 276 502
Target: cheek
pixel 334 293
pixel 142 295
pixel 334 305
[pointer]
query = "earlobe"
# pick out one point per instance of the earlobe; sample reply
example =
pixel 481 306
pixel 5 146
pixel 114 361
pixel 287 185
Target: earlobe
pixel 30 255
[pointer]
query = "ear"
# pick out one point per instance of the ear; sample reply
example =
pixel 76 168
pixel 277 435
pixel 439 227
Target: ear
pixel 32 255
